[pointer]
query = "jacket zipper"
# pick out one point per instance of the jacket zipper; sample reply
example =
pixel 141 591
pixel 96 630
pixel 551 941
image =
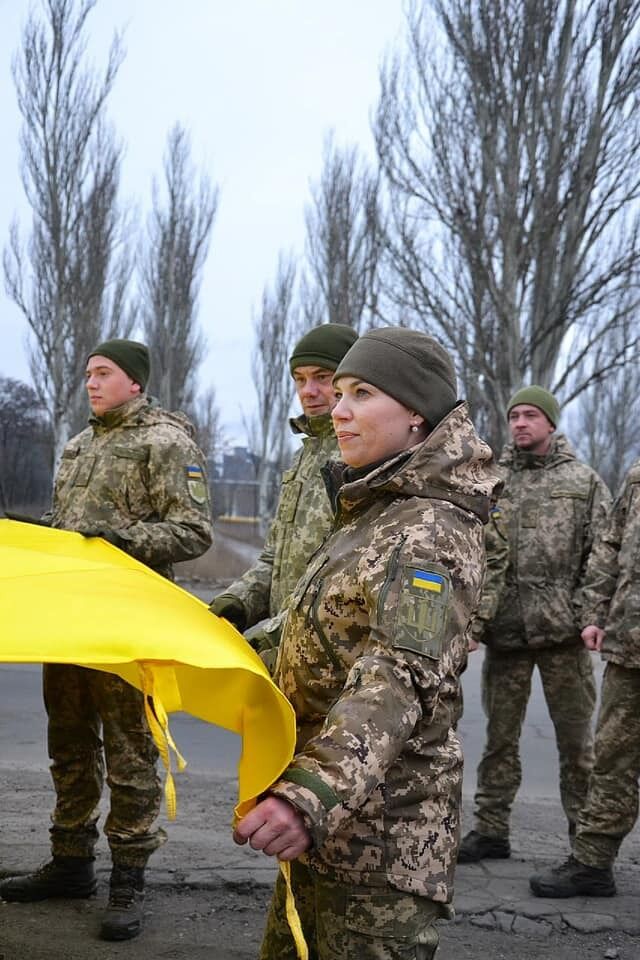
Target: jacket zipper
pixel 392 569
pixel 311 619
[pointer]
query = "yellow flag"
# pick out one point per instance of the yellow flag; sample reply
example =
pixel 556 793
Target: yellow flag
pixel 65 598
pixel 68 599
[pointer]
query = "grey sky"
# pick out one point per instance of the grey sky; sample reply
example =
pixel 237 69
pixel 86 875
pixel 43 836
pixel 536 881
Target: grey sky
pixel 258 83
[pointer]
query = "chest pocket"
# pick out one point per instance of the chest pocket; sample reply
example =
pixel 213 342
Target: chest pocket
pixel 570 495
pixel 68 465
pixel 569 506
pixel 305 600
pixel 130 487
pixel 529 514
pixel 135 454
pixel 291 489
pixel 567 527
pixel 302 587
pixel 84 470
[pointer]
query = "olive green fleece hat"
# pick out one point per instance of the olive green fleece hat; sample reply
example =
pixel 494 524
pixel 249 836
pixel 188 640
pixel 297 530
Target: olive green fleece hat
pixel 408 365
pixel 323 346
pixel 129 355
pixel 540 398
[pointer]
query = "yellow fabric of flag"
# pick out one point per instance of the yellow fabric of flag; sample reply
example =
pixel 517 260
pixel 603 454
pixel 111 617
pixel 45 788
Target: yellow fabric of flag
pixel 68 599
pixel 65 598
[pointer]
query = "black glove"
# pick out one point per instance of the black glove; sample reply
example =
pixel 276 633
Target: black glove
pixel 109 535
pixel 262 639
pixel 25 518
pixel 232 609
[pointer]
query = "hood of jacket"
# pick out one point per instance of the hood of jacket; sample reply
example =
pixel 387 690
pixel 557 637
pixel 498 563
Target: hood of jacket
pixel 560 451
pixel 451 464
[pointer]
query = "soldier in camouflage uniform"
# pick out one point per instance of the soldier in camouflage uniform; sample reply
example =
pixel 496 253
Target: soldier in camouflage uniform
pixel 303 515
pixel 611 618
pixel 372 649
pixel 136 478
pixel 548 514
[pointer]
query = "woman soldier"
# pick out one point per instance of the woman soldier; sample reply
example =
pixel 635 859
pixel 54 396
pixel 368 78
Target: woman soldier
pixel 371 654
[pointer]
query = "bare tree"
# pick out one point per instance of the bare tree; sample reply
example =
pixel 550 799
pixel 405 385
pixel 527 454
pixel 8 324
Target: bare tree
pixel 510 145
pixel 25 448
pixel 607 420
pixel 275 328
pixel 205 416
pixel 71 282
pixel 344 241
pixel 177 246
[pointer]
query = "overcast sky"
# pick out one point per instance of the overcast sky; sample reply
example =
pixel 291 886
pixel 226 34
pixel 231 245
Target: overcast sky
pixel 258 83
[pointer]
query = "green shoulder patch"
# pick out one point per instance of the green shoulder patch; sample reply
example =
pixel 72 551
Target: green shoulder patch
pixel 423 606
pixel 196 484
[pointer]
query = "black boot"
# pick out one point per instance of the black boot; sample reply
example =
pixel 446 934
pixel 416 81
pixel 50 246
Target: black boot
pixel 72 878
pixel 477 846
pixel 123 916
pixel 573 879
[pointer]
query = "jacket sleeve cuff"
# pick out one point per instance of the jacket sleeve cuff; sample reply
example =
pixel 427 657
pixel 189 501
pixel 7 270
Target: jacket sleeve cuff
pixel 311 796
pixel 588 618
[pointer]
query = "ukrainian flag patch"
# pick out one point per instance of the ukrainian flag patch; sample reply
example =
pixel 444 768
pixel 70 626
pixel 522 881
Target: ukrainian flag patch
pixel 196 484
pixel 428 581
pixel 422 609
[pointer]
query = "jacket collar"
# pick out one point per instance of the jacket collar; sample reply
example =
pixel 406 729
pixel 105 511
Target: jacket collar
pixel 560 451
pixel 451 464
pixel 118 415
pixel 321 426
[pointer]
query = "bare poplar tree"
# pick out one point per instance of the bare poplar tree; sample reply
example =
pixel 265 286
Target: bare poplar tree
pixel 71 281
pixel 510 138
pixel 607 422
pixel 177 244
pixel 204 413
pixel 276 327
pixel 344 240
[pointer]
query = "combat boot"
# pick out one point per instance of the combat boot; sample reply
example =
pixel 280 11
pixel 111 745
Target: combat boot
pixel 123 916
pixel 573 879
pixel 70 878
pixel 478 846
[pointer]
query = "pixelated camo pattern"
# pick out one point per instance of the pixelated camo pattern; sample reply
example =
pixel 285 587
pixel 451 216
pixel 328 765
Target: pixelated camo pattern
pixel 137 471
pixel 611 595
pixel 302 520
pixel 550 511
pixel 371 656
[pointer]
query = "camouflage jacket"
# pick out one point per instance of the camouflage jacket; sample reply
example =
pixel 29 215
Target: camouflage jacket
pixel 137 471
pixel 302 520
pixel 611 594
pixel 551 509
pixel 497 550
pixel 371 653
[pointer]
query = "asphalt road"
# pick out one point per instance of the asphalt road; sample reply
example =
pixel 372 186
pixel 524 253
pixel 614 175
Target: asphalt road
pixel 210 749
pixel 207 897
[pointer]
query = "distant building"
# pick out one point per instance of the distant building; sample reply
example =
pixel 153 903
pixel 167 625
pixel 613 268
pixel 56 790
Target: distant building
pixel 232 476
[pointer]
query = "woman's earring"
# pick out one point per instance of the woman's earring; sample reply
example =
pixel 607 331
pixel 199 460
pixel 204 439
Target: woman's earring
pixel 414 428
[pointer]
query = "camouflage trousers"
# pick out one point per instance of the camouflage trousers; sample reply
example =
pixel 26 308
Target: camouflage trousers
pixel 81 704
pixel 345 922
pixel 570 693
pixel 611 809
